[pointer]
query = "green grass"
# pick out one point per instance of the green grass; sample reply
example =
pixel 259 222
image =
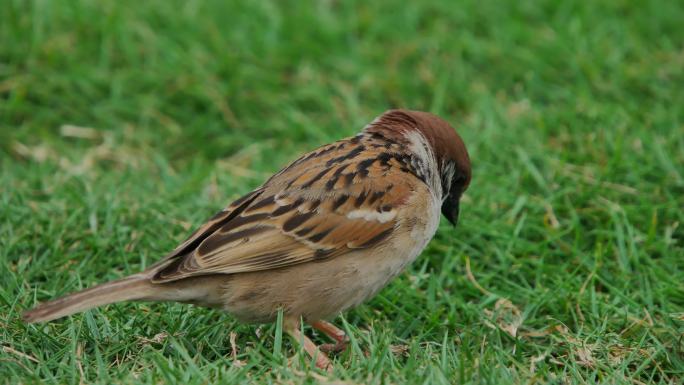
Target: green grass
pixel 573 228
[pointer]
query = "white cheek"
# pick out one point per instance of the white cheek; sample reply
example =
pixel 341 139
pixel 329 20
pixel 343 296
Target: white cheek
pixel 420 148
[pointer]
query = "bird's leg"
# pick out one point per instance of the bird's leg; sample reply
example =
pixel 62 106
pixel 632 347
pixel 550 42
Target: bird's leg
pixel 332 331
pixel 322 361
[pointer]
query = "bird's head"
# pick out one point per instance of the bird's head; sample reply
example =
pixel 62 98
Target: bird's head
pixel 442 158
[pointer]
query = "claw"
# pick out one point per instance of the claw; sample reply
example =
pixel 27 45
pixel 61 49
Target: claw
pixel 334 348
pixel 332 331
pixel 322 360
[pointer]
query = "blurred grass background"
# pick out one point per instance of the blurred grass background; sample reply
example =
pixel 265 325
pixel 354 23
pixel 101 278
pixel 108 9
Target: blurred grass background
pixel 125 124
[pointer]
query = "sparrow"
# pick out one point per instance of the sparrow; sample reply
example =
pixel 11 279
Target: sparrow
pixel 319 237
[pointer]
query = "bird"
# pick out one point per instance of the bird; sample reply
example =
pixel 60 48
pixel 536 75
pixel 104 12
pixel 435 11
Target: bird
pixel 319 237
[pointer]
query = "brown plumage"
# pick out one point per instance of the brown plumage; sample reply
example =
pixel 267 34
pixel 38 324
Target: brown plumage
pixel 324 234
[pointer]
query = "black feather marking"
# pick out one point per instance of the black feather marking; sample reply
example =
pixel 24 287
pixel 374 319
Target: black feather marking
pixel 330 184
pixel 376 239
pixel 315 154
pixel 385 208
pixel 361 198
pixel 243 199
pixel 314 204
pixel 242 220
pixel 321 235
pixel 182 254
pixel 350 155
pixel 170 269
pixel 292 181
pixel 217 215
pixel 282 210
pixel 403 159
pixel 324 151
pixel 376 195
pixel 339 171
pixel 287 208
pixel 262 203
pixel 339 202
pixel 296 220
pixel 322 254
pixel 349 179
pixel 313 180
pixel 408 166
pixel 364 164
pixel 304 231
pixel 384 159
pixel 219 239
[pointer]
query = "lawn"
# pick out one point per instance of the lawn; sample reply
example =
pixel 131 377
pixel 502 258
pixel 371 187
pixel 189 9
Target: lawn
pixel 125 124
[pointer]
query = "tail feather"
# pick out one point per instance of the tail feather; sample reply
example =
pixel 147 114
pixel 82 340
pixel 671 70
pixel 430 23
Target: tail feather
pixel 130 288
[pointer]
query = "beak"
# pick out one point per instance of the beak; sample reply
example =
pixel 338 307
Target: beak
pixel 450 210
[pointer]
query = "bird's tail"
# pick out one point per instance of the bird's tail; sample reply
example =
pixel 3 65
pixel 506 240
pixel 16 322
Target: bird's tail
pixel 134 287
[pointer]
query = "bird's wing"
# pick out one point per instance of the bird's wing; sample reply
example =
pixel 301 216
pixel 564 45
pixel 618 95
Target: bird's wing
pixel 347 195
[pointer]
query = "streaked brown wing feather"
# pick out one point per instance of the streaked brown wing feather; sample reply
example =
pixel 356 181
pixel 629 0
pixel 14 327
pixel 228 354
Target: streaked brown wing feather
pixel 210 226
pixel 342 196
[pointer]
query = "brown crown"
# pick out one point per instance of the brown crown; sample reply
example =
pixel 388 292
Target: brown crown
pixel 445 141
